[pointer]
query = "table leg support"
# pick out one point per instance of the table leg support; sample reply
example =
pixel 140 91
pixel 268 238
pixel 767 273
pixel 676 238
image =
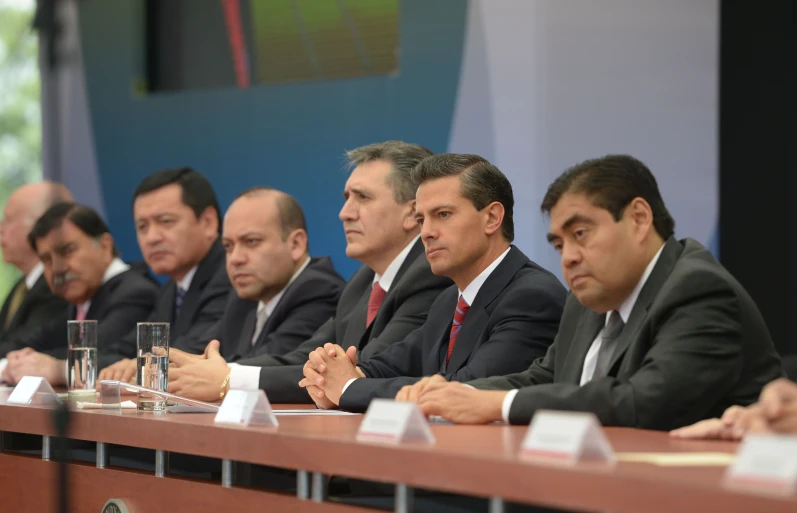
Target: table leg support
pixel 496 505
pixel 47 448
pixel 405 499
pixel 320 482
pixel 103 457
pixel 161 463
pixel 302 485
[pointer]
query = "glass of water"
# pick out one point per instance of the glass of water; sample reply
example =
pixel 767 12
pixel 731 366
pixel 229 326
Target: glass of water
pixel 153 364
pixel 81 370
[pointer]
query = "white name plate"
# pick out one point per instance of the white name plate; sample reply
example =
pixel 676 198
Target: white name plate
pixel 766 463
pixel 33 390
pixel 567 437
pixel 394 421
pixel 245 408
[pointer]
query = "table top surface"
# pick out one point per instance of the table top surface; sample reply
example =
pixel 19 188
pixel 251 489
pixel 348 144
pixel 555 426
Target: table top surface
pixel 477 460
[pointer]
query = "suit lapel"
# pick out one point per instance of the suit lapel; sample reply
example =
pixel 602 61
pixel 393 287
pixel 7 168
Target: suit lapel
pixel 590 323
pixel 7 305
pixel 357 328
pixel 245 346
pixel 477 315
pixel 203 275
pixel 97 307
pixel 667 259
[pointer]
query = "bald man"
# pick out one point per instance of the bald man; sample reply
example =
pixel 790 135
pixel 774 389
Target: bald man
pixel 30 302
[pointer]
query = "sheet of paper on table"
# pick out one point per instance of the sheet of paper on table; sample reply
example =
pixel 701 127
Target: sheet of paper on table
pixel 679 459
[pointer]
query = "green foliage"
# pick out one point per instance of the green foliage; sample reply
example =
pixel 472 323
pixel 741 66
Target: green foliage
pixel 20 112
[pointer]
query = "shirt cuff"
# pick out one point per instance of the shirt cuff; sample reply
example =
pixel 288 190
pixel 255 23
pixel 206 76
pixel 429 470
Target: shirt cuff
pixel 507 405
pixel 3 364
pixel 347 385
pixel 244 377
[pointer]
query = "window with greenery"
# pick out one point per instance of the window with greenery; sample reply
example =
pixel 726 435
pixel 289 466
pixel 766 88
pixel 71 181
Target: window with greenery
pixel 20 119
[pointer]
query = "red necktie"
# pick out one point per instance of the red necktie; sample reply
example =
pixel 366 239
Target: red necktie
pixel 374 302
pixel 456 326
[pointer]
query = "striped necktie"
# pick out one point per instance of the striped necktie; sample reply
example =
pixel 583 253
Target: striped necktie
pixel 456 326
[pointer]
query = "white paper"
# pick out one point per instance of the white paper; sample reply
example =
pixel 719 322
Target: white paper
pixel 566 436
pixel 98 406
pixel 394 421
pixel 313 411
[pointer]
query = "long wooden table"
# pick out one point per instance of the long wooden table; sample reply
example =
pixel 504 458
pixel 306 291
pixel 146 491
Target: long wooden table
pixel 472 460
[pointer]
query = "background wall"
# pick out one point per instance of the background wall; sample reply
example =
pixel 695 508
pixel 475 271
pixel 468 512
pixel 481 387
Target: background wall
pixel 290 136
pixel 534 85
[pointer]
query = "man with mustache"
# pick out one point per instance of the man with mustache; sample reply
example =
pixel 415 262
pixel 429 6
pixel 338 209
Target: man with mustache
pixel 656 333
pixel 501 314
pixel 30 302
pixel 178 222
pixel 383 301
pixel 82 266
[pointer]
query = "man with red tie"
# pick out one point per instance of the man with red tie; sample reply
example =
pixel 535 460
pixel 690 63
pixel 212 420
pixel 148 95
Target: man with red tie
pixel 502 313
pixel 382 302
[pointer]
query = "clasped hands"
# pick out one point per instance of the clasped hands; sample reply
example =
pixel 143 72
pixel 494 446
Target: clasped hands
pixel 329 368
pixel 775 412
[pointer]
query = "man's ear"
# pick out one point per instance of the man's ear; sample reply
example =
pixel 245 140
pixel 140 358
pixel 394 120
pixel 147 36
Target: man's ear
pixel 493 217
pixel 408 218
pixel 297 242
pixel 209 219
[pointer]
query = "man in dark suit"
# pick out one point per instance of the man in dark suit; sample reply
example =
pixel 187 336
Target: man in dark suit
pixel 82 266
pixel 30 303
pixel 282 295
pixel 383 301
pixel 500 315
pixel 177 225
pixel 656 333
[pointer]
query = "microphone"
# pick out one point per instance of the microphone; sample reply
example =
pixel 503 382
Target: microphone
pixel 61 421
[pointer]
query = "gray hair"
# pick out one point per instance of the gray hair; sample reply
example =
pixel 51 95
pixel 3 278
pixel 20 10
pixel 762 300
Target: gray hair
pixel 402 156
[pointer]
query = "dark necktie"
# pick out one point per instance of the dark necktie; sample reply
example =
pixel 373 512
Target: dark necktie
pixel 17 295
pixel 178 301
pixel 456 326
pixel 613 329
pixel 374 302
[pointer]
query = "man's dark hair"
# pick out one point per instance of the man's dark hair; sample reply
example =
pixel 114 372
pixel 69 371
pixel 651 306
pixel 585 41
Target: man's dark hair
pixel 403 156
pixel 197 192
pixel 480 182
pixel 612 182
pixel 290 212
pixel 85 218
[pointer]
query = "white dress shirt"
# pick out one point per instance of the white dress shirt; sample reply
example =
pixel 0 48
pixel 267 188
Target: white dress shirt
pixel 469 294
pixel 185 283
pixel 591 359
pixel 33 276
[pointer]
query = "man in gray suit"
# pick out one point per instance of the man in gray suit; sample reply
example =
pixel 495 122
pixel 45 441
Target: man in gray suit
pixel 656 333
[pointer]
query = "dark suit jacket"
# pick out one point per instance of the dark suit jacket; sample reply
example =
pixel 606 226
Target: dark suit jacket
pixel 118 305
pixel 306 304
pixel 38 308
pixel 695 344
pixel 404 309
pixel 512 321
pixel 203 306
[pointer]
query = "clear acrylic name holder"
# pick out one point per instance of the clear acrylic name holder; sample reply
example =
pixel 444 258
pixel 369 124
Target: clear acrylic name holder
pixel 111 395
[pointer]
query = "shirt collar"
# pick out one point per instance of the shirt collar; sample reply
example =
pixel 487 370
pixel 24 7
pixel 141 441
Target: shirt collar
pixel 386 279
pixel 115 268
pixel 34 275
pixel 469 294
pixel 185 283
pixel 628 305
pixel 272 303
